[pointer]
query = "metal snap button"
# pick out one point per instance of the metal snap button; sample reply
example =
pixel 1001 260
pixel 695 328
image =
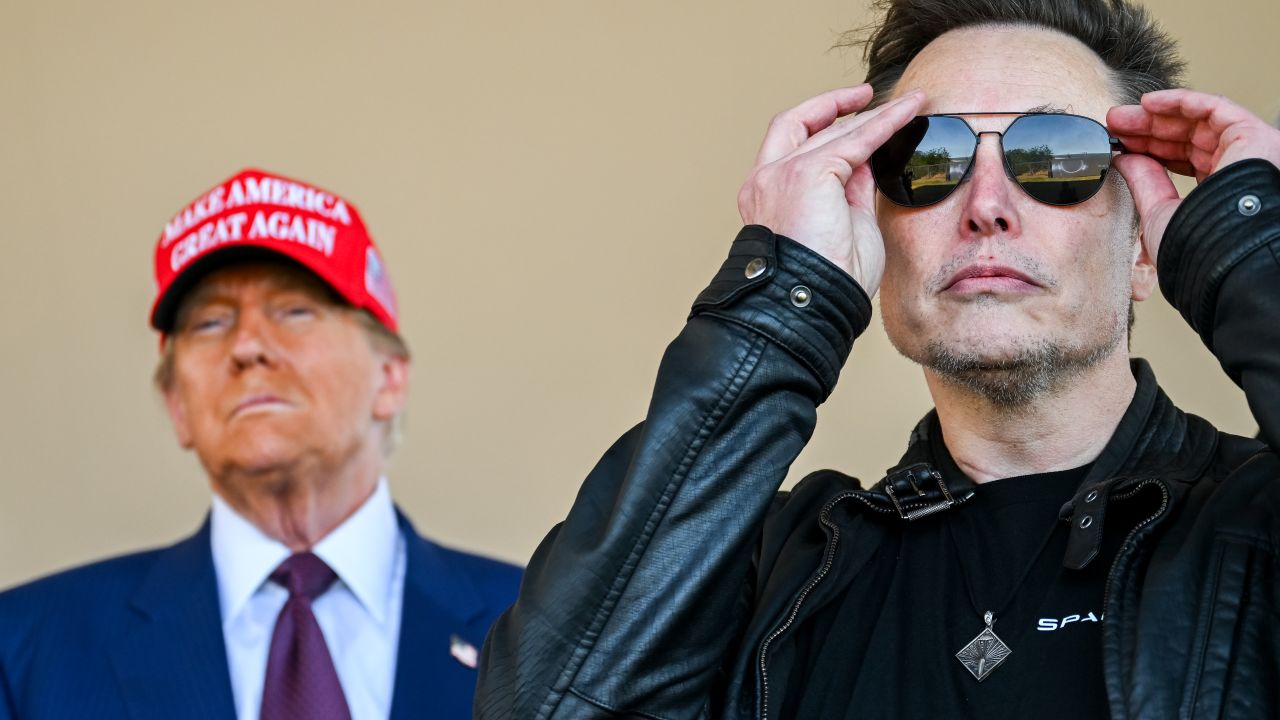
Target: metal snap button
pixel 1091 496
pixel 800 296
pixel 1086 521
pixel 756 268
pixel 1249 205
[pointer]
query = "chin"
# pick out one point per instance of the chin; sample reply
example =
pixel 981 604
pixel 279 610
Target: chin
pixel 988 348
pixel 983 336
pixel 260 454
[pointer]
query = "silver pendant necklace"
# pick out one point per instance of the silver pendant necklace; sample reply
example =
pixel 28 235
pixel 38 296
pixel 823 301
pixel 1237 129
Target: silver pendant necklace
pixel 986 651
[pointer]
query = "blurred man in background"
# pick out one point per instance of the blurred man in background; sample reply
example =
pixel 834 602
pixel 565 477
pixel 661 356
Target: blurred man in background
pixel 305 593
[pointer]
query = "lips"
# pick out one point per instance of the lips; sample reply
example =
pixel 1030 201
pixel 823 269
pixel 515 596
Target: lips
pixel 985 278
pixel 257 401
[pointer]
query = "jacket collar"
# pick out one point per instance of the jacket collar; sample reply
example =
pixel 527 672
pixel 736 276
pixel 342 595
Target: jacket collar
pixel 443 622
pixel 1154 442
pixel 431 575
pixel 172 653
pixel 1155 438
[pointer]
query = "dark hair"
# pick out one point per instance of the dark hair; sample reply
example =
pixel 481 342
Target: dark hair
pixel 1140 55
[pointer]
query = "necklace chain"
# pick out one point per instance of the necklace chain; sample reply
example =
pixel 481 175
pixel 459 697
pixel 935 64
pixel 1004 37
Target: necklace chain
pixel 1022 577
pixel 986 651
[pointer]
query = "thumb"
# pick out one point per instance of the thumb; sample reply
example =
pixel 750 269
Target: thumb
pixel 1154 195
pixel 860 188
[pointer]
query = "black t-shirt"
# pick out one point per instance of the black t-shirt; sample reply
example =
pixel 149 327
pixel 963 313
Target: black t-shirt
pixel 893 655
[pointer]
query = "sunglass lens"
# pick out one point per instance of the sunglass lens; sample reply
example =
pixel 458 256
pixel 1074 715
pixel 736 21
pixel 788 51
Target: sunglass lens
pixel 1057 159
pixel 924 161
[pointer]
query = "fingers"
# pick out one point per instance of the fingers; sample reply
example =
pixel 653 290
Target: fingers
pixel 1179 157
pixel 1129 119
pixel 860 190
pixel 915 98
pixel 1188 131
pixel 1147 180
pixel 811 182
pixel 1202 132
pixel 872 129
pixel 1178 115
pixel 1154 196
pixel 1217 111
pixel 790 129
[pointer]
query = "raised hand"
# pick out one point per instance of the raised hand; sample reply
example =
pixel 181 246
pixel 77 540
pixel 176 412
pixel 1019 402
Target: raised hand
pixel 811 181
pixel 1190 133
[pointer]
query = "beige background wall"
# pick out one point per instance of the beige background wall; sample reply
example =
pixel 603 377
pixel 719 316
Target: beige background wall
pixel 551 184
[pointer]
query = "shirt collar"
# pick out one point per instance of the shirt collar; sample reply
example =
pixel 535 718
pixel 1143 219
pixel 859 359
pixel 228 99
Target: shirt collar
pixel 362 551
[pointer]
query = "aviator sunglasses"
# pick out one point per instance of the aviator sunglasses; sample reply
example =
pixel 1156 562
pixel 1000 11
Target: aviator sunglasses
pixel 1056 158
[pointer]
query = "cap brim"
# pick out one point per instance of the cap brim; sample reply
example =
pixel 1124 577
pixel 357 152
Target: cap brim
pixel 165 311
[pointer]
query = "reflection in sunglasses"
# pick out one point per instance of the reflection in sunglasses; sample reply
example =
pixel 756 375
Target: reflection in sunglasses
pixel 1057 158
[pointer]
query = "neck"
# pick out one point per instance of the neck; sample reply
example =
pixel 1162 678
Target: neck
pixel 1062 429
pixel 302 503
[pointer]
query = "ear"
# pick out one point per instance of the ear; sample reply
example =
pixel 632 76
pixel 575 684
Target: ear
pixel 393 387
pixel 178 416
pixel 1142 278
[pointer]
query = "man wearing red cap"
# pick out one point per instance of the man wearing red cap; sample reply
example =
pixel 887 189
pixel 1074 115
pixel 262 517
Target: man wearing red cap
pixel 305 594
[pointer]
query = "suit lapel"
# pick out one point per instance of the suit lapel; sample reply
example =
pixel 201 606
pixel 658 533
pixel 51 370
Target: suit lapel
pixel 173 661
pixel 440 604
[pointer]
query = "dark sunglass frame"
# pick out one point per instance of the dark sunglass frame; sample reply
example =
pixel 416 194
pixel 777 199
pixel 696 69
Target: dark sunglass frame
pixel 878 158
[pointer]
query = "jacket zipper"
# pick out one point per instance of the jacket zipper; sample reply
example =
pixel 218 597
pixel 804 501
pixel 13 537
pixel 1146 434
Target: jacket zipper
pixel 828 557
pixel 1122 555
pixel 1164 505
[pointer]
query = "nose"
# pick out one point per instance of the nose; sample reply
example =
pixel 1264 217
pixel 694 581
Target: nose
pixel 250 343
pixel 989 207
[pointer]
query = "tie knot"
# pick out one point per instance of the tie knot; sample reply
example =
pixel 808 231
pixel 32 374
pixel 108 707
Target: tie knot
pixel 304 574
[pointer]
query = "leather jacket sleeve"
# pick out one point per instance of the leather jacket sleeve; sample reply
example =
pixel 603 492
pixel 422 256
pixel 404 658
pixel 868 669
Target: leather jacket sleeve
pixel 1219 265
pixel 1192 629
pixel 629 605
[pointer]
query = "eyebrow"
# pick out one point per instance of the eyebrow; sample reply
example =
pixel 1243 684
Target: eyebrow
pixel 1050 109
pixel 211 293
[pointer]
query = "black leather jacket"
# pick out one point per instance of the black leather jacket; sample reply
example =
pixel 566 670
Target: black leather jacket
pixel 680 580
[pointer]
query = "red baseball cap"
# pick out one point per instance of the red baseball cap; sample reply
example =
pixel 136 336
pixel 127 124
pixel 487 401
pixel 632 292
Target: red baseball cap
pixel 257 211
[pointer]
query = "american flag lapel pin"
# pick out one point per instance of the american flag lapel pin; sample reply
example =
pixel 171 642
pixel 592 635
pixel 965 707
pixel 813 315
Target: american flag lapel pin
pixel 464 652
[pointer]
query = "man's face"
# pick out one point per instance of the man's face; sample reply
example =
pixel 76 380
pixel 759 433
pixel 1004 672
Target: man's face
pixel 272 376
pixel 1069 271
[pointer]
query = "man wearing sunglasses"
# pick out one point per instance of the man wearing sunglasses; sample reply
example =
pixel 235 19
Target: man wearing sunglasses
pixel 1059 541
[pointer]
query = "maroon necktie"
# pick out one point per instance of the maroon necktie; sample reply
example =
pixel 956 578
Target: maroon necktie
pixel 301 681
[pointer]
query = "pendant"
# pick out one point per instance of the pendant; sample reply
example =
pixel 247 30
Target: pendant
pixel 985 652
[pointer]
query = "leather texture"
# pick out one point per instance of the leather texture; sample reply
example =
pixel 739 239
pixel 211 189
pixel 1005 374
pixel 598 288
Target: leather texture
pixel 681 578
pixel 140 636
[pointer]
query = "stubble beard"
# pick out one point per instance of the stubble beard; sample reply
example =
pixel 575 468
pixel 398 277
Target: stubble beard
pixel 1040 369
pixel 1035 367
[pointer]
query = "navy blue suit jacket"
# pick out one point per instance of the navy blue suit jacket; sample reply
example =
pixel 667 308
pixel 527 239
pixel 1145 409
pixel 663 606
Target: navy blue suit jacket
pixel 140 636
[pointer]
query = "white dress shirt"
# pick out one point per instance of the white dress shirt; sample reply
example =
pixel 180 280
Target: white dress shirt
pixel 359 615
